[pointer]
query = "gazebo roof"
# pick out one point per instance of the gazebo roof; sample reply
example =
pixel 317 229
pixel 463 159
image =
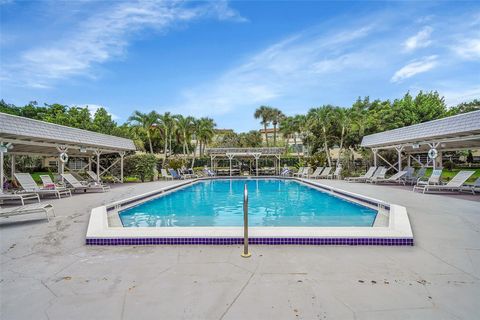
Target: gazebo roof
pixel 455 132
pixel 39 137
pixel 245 151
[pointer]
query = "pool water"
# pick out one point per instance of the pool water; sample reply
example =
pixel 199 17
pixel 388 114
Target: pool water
pixel 272 202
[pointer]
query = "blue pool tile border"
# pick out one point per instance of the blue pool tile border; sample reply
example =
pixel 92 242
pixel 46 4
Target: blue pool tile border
pixel 253 241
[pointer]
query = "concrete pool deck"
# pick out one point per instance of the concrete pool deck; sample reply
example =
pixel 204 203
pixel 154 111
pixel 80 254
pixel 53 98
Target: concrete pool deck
pixel 47 271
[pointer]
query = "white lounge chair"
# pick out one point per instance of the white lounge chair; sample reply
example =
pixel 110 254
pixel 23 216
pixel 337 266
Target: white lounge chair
pixel 379 174
pixel 336 174
pixel 27 209
pixel 94 177
pixel 306 172
pixel 78 186
pixel 30 186
pixel 325 173
pixel 396 178
pixel 475 187
pixel 433 179
pixel 49 184
pixel 299 173
pixel 364 177
pixel 316 173
pixel 165 174
pixel 454 185
pixel 22 197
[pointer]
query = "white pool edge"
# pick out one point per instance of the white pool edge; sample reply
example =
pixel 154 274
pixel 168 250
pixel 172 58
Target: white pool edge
pixel 398 224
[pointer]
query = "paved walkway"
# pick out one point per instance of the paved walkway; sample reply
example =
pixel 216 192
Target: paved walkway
pixel 48 273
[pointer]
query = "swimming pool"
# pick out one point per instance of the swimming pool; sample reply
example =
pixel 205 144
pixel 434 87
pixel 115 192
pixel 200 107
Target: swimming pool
pixel 282 211
pixel 272 203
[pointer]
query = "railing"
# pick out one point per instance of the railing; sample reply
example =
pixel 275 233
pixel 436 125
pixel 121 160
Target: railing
pixel 245 253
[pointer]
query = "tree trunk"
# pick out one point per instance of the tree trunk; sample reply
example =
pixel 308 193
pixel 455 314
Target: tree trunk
pixel 149 141
pixel 274 134
pixel 325 145
pixel 295 144
pixel 341 144
pixel 165 146
pixel 266 135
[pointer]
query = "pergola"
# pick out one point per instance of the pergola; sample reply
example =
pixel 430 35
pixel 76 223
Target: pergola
pixel 459 132
pixel 24 136
pixel 243 153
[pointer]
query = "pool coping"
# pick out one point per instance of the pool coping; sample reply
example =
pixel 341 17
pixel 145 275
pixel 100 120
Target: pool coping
pixel 397 232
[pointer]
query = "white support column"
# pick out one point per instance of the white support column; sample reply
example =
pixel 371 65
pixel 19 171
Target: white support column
pixel 409 160
pixel 122 155
pixel 230 158
pixel 1 166
pixel 375 151
pixel 98 153
pixel 433 145
pixel 12 166
pixel 89 163
pixel 256 156
pixel 61 164
pixel 399 155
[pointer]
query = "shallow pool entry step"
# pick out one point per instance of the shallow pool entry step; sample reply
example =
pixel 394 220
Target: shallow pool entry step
pixel 253 241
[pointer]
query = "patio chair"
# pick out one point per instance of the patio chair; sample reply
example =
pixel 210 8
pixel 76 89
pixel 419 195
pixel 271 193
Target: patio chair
pixel 414 177
pixel 285 172
pixel 165 174
pixel 454 185
pixel 174 174
pixel 30 186
pixel 433 179
pixel 78 186
pixel 209 172
pixel 94 176
pixel 186 174
pixel 27 209
pixel 299 173
pixel 475 187
pixel 306 172
pixel 7 196
pixel 49 184
pixel 364 177
pixel 325 173
pixel 316 173
pixel 336 174
pixel 396 178
pixel 379 174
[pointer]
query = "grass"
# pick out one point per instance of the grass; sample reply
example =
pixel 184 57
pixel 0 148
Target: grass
pixel 447 175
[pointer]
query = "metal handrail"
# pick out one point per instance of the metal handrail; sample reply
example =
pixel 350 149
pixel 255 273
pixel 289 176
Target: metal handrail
pixel 245 253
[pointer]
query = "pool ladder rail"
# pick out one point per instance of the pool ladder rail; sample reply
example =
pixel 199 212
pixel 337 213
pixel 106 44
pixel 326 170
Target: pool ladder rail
pixel 245 253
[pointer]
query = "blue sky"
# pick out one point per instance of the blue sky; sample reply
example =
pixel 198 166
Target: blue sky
pixel 223 59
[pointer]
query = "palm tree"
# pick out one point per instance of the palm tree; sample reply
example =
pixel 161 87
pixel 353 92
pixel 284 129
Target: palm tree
pixel 299 127
pixel 167 124
pixel 184 127
pixel 146 121
pixel 275 116
pixel 264 113
pixel 205 133
pixel 287 129
pixel 319 119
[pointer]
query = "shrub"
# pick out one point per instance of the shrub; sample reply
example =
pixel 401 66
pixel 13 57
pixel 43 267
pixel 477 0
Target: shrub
pixel 141 166
pixel 448 165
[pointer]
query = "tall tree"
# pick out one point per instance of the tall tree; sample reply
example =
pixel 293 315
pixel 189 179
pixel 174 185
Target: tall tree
pixel 205 133
pixel 146 122
pixel 185 127
pixel 320 124
pixel 275 116
pixel 265 114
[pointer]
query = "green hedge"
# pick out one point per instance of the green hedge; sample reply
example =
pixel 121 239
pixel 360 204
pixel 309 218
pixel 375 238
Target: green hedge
pixel 141 166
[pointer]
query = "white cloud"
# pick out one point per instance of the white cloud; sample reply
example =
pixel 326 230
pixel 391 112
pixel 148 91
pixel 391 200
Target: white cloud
pixel 420 40
pixel 454 97
pixel 105 36
pixel 296 63
pixel 415 67
pixel 468 49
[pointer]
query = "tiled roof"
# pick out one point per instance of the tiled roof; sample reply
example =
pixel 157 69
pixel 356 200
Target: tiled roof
pixel 21 127
pixel 458 125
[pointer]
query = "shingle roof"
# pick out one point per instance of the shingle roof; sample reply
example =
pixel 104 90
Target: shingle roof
pixel 458 125
pixel 21 127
